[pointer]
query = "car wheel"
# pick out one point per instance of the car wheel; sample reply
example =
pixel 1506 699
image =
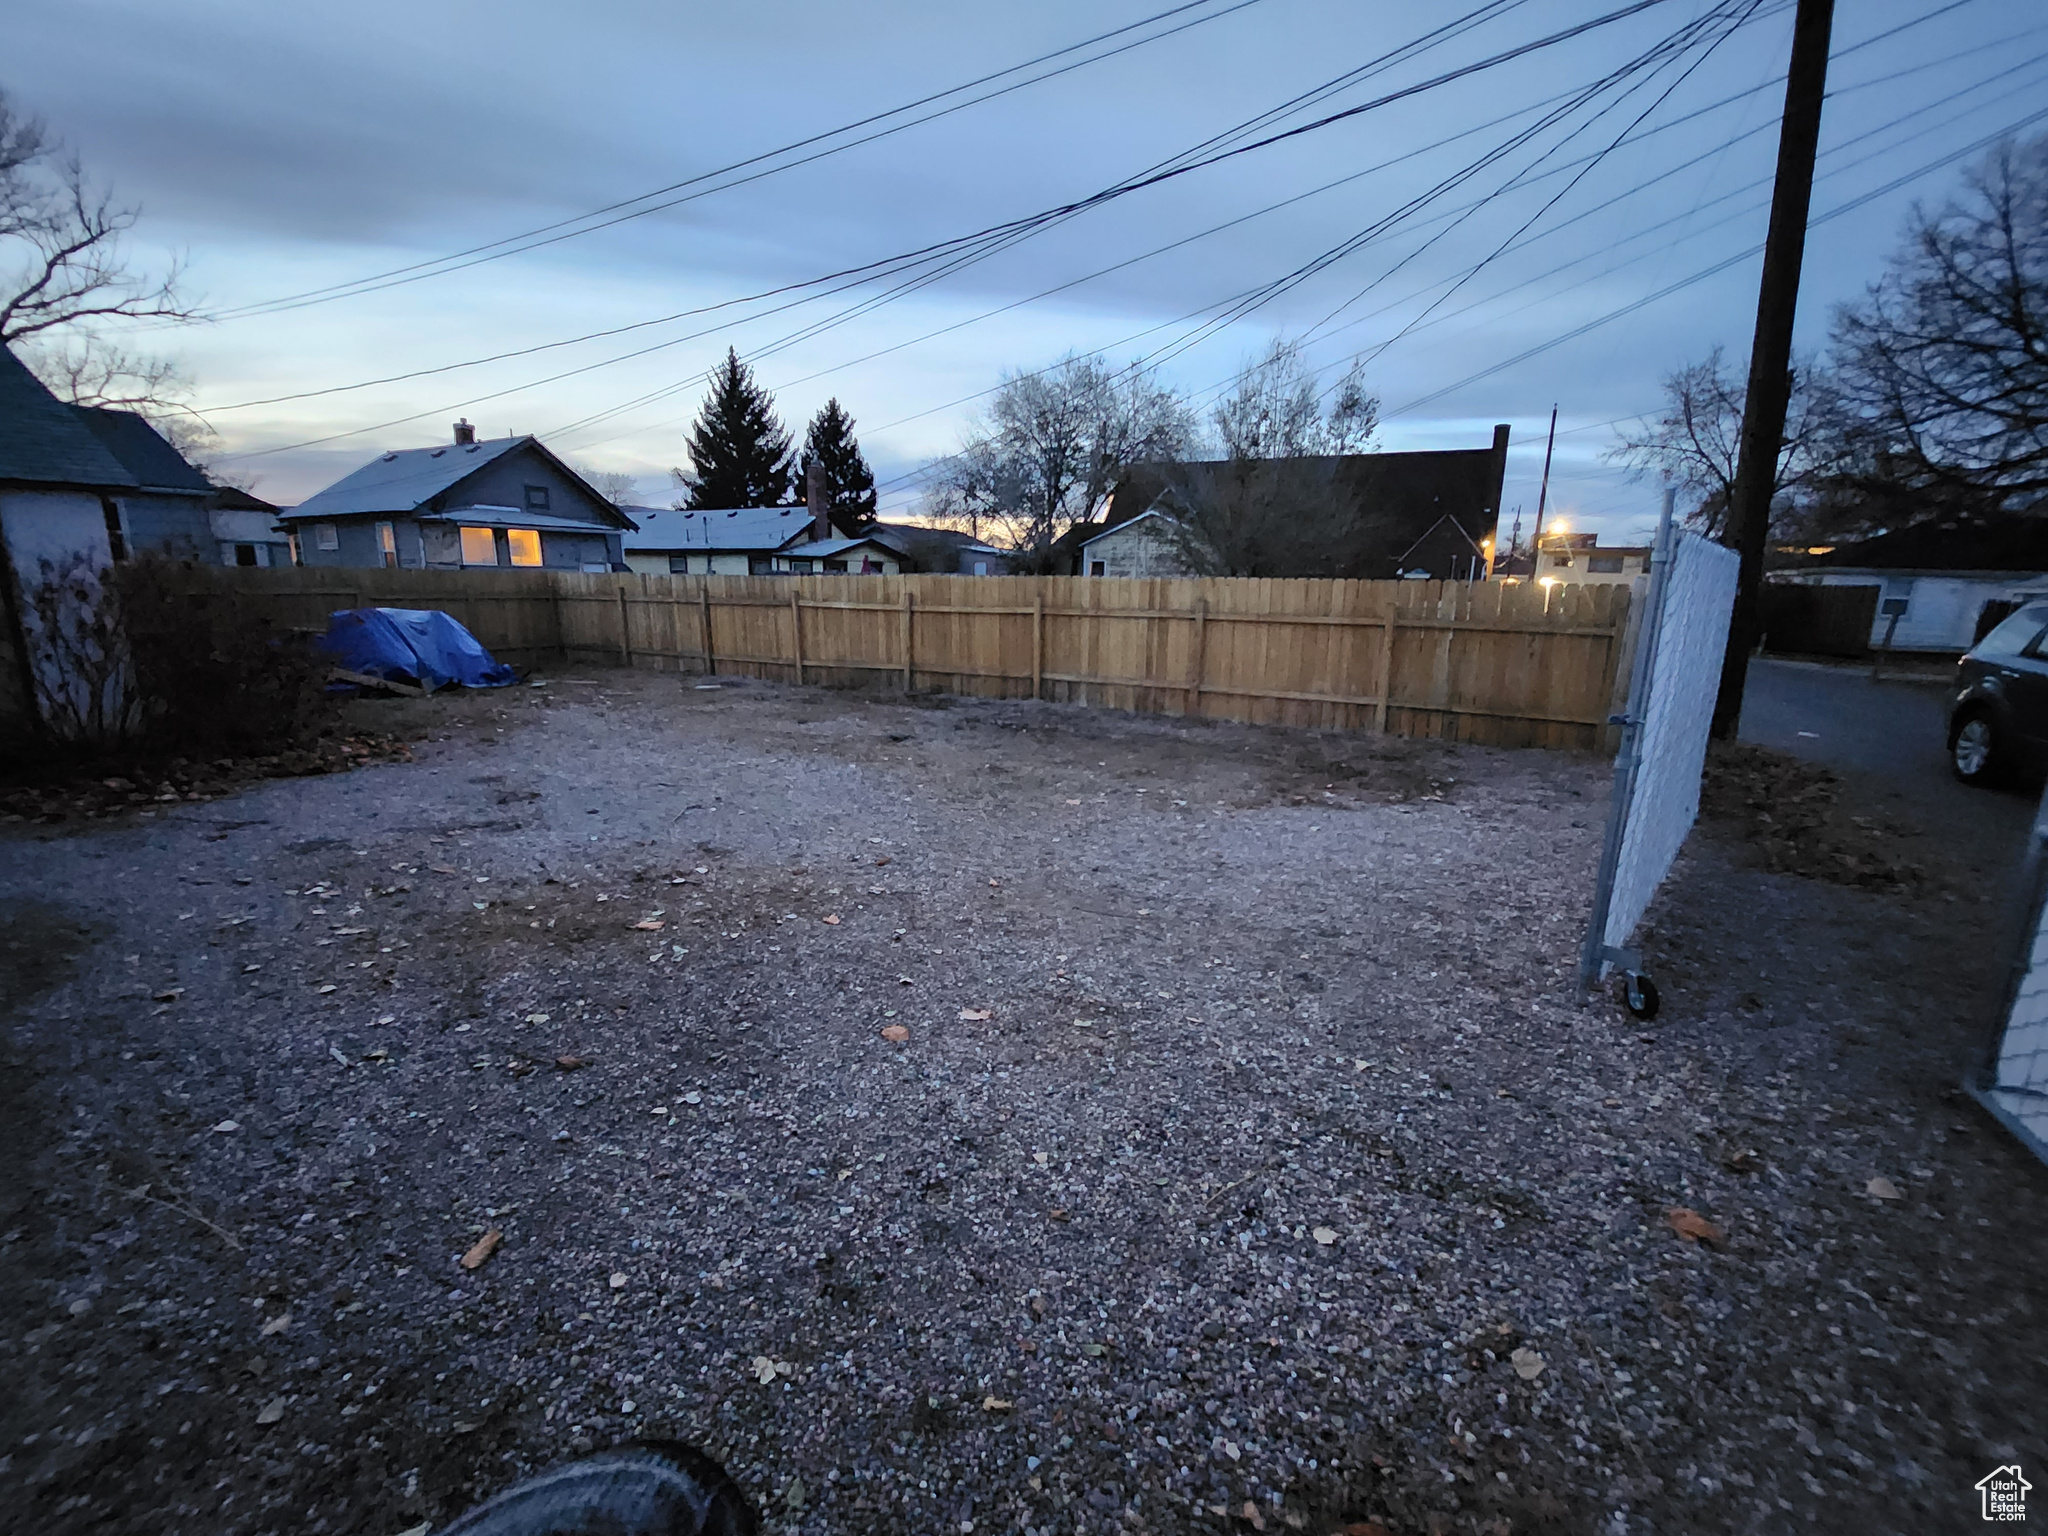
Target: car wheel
pixel 1973 750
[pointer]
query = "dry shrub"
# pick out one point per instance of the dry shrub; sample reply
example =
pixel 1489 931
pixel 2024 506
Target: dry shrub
pixel 1793 819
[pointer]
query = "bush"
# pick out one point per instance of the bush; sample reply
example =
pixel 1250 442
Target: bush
pixel 143 658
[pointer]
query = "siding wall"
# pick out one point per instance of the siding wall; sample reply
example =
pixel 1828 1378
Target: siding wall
pixel 1941 610
pixel 177 526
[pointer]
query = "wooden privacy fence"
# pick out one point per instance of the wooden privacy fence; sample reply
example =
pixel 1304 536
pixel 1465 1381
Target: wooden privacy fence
pixel 1505 665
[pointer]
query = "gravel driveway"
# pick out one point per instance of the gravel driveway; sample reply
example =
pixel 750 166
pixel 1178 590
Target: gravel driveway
pixel 995 1117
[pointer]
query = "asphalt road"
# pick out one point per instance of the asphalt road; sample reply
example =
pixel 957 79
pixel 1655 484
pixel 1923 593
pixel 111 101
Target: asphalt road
pixel 1894 733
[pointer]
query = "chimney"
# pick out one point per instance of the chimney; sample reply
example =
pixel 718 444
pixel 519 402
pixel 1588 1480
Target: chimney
pixel 817 500
pixel 465 434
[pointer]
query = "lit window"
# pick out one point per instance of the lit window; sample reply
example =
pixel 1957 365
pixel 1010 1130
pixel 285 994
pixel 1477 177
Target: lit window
pixel 326 536
pixel 479 547
pixel 524 544
pixel 536 498
pixel 387 543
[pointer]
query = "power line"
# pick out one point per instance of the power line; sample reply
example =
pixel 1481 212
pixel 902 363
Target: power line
pixel 946 249
pixel 511 245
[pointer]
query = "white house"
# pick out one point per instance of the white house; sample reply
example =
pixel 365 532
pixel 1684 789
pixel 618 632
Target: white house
pixel 730 541
pixel 1942 585
pixel 1141 546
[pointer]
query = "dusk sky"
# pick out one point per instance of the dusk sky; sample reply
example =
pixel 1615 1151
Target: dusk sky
pixel 284 149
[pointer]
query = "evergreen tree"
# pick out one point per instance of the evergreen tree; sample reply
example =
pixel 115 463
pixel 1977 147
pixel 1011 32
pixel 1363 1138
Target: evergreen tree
pixel 739 452
pixel 849 483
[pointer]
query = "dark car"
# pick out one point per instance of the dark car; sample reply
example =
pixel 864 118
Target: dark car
pixel 1998 724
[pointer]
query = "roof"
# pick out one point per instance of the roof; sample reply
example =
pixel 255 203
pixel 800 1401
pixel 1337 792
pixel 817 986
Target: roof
pixel 143 451
pixel 232 498
pixel 43 441
pixel 825 549
pixel 1946 544
pixel 403 480
pixel 705 529
pixel 1126 524
pixel 400 481
pixel 516 517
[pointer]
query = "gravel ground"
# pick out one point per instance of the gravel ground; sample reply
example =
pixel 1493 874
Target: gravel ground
pixel 1247 1159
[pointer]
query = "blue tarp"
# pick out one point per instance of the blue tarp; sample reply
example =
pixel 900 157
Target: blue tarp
pixel 421 644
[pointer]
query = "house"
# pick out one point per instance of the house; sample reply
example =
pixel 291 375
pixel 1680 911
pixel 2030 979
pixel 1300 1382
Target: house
pixel 502 502
pixel 735 541
pixel 1397 503
pixel 246 531
pixel 1577 558
pixel 79 487
pixel 838 557
pixel 1942 584
pixel 1146 545
pixel 940 551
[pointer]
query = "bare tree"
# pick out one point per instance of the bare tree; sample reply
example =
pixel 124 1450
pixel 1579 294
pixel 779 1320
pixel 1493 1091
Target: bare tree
pixel 65 277
pixel 1944 363
pixel 1277 503
pixel 1047 451
pixel 615 486
pixel 1696 440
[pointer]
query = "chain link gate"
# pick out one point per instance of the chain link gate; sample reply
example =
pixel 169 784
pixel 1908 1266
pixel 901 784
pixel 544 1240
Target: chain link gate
pixel 1672 684
pixel 2012 1080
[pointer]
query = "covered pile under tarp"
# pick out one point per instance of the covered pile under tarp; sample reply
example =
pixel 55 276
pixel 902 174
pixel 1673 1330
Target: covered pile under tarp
pixel 420 644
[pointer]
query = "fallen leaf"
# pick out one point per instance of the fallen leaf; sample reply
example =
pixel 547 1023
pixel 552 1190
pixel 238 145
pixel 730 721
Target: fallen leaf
pixel 650 925
pixel 881 861
pixel 1073 802
pixel 329 987
pixel 995 1405
pixel 618 1280
pixel 1325 1235
pixel 976 1015
pixel 1057 1213
pixel 442 869
pixel 1693 1227
pixel 423 1527
pixel 571 1063
pixel 895 1033
pixel 229 1125
pixel 1747 1161
pixel 271 1411
pixel 335 1052
pixel 1251 1513
pixel 1098 1351
pixel 1884 1189
pixel 484 1247
pixel 1527 1362
pixel 168 995
pixel 832 919
pixel 277 1324
pixel 538 1018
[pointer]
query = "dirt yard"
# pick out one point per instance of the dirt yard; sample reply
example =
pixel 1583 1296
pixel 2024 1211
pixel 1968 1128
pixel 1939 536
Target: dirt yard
pixel 987 1117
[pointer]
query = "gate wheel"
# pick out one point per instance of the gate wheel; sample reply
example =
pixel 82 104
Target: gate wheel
pixel 1639 994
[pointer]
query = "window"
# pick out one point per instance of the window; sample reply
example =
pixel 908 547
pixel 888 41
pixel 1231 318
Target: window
pixel 1604 565
pixel 291 544
pixel 387 544
pixel 117 541
pixel 2015 634
pixel 326 536
pixel 1095 568
pixel 981 567
pixel 536 498
pixel 800 567
pixel 838 567
pixel 524 544
pixel 245 554
pixel 479 547
pixel 679 565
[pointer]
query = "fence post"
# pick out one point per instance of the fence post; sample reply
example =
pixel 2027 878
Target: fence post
pixel 909 655
pixel 1201 650
pixel 1038 643
pixel 625 632
pixel 704 613
pixel 1379 710
pixel 796 631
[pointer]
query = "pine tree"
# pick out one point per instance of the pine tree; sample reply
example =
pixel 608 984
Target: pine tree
pixel 739 452
pixel 849 483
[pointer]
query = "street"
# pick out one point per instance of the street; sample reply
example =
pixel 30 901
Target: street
pixel 1893 733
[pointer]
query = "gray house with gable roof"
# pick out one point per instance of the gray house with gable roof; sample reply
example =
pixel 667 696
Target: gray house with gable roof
pixel 501 502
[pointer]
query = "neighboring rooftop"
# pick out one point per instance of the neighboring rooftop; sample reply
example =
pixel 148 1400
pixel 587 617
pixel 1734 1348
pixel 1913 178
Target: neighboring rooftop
pixel 44 441
pixel 710 529
pixel 143 451
pixel 400 481
pixel 2010 543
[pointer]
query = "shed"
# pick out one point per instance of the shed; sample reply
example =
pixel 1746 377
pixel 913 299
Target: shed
pixel 1942 584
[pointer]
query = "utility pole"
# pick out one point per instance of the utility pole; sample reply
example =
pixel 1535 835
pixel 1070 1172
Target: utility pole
pixel 1542 495
pixel 1770 353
